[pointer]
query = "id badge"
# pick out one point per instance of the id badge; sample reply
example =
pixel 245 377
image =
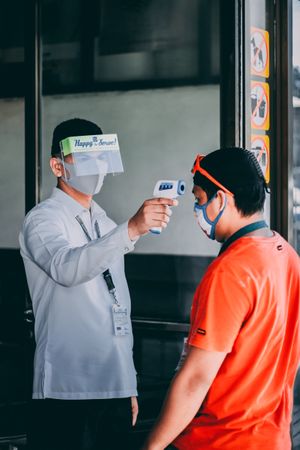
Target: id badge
pixel 120 319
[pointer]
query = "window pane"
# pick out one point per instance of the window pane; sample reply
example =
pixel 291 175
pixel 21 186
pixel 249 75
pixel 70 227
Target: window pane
pixel 142 40
pixel 159 130
pixel 62 29
pixel 12 176
pixel 12 48
pixel 12 167
pixel 128 42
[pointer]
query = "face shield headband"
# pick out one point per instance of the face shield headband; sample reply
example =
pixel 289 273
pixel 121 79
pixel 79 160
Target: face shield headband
pixel 197 168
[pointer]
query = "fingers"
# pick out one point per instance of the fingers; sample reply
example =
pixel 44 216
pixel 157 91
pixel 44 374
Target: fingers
pixel 134 410
pixel 150 208
pixel 161 215
pixel 154 213
pixel 134 417
pixel 161 201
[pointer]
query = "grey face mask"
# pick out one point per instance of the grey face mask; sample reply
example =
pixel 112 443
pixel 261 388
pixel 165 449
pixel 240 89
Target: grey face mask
pixel 87 184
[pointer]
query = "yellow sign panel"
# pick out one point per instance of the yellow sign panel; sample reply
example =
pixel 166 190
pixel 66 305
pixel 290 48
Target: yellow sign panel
pixel 260 105
pixel 260 52
pixel 260 146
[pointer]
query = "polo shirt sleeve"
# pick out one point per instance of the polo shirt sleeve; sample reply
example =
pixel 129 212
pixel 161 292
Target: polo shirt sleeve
pixel 221 305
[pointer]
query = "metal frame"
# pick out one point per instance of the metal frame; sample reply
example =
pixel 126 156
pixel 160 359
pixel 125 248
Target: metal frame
pixel 13 442
pixel 282 186
pixel 231 74
pixel 235 80
pixel 160 326
pixel 32 103
pixel 88 42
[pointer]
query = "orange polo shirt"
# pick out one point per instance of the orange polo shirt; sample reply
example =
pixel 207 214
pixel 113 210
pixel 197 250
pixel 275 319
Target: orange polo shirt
pixel 248 305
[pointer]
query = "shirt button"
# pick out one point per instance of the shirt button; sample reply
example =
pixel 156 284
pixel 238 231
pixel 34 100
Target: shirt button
pixel 126 249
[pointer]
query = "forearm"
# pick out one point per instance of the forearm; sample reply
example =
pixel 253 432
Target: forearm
pixel 79 265
pixel 69 266
pixel 183 400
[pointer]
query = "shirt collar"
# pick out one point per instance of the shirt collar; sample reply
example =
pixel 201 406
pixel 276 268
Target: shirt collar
pixel 96 209
pixel 73 206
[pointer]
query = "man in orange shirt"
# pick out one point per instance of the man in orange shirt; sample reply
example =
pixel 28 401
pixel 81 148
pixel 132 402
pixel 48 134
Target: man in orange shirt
pixel 235 388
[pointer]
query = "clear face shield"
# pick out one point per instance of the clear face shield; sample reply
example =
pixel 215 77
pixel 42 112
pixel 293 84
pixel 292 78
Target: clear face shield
pixel 92 155
pixel 87 159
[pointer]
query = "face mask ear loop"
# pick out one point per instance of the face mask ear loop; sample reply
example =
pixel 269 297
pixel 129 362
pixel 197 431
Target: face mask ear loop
pixel 225 201
pixel 64 177
pixel 204 209
pixel 214 223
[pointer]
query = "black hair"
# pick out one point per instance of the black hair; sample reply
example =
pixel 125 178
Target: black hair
pixel 238 170
pixel 69 128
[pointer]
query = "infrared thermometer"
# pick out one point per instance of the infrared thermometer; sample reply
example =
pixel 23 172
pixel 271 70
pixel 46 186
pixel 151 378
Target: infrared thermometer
pixel 167 189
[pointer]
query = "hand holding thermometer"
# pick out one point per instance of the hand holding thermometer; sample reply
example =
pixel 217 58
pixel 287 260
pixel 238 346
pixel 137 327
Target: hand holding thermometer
pixel 167 189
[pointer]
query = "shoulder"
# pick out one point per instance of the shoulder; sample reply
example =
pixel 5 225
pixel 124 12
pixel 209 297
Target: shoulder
pixel 287 247
pixel 48 210
pixel 225 264
pixel 228 273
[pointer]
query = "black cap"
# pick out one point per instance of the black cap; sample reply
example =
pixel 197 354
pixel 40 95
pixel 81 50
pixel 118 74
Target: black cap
pixel 72 127
pixel 233 167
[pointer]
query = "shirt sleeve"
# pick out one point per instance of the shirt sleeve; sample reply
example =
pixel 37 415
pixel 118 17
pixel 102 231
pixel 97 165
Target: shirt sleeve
pixel 43 240
pixel 221 305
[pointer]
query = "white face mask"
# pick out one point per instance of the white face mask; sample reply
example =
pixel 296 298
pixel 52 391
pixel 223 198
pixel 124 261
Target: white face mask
pixel 87 184
pixel 207 225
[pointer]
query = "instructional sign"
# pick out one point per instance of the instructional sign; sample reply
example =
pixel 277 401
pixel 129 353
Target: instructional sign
pixel 260 105
pixel 260 51
pixel 260 146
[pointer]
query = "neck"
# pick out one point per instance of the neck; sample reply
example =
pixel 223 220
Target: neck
pixel 84 199
pixel 244 221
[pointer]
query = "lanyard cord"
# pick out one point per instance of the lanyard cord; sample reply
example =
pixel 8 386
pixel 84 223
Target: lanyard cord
pixel 241 232
pixel 84 228
pixel 106 275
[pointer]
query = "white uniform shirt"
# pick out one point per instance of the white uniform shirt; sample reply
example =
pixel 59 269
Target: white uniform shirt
pixel 77 354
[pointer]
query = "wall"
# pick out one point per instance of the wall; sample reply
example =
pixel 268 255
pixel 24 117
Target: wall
pixel 12 176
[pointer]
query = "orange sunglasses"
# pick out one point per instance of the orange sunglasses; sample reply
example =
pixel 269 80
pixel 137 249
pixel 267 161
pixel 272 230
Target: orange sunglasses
pixel 198 168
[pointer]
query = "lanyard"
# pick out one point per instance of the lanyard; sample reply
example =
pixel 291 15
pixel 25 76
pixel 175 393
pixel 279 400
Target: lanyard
pixel 84 228
pixel 241 232
pixel 106 275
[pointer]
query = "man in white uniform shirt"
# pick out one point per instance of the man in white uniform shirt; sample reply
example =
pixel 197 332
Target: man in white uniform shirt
pixel 84 375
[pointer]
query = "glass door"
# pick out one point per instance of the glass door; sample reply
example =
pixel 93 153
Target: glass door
pixel 296 123
pixel 295 179
pixel 259 88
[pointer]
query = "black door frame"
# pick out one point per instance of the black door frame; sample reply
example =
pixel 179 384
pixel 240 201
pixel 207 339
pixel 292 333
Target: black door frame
pixel 283 186
pixel 33 102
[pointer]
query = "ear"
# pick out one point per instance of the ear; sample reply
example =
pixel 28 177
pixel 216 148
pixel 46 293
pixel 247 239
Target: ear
pixel 221 196
pixel 56 167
